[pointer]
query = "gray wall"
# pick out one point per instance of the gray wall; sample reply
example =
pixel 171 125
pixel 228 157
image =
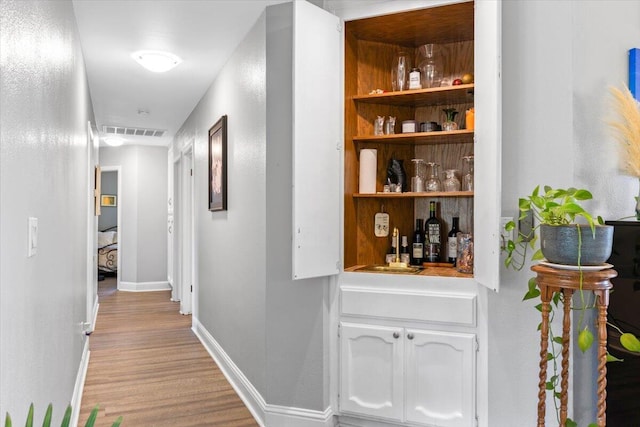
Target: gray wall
pixel 44 109
pixel 558 59
pixel 109 214
pixel 143 202
pixel 271 327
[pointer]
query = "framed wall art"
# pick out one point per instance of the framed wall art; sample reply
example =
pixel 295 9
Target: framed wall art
pixel 218 165
pixel 108 200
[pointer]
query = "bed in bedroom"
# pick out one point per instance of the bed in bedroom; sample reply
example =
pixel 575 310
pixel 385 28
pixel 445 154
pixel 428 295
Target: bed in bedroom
pixel 108 250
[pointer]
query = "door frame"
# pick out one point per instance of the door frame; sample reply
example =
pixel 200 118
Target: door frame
pixel 184 226
pixel 118 171
pixel 93 154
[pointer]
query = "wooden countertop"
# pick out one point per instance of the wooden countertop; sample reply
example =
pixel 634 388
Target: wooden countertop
pixel 436 271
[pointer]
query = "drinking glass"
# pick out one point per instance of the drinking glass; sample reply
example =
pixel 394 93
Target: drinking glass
pixel 433 182
pixel 467 171
pixel 400 71
pixel 417 180
pixel 451 182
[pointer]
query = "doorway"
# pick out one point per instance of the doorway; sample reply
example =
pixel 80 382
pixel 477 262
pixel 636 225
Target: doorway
pixel 109 225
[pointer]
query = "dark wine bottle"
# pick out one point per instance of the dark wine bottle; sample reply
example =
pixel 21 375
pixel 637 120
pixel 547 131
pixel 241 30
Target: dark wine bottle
pixel 452 243
pixel 433 235
pixel 417 251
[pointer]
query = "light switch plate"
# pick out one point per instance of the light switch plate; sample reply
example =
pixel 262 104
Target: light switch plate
pixel 32 238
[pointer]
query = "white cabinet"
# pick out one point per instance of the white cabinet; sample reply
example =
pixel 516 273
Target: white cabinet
pixel 408 375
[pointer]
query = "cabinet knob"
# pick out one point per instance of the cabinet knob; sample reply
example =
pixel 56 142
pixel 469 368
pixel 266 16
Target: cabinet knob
pixel 396 335
pixel 410 336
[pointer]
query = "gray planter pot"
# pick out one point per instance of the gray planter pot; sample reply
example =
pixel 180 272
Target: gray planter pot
pixel 559 244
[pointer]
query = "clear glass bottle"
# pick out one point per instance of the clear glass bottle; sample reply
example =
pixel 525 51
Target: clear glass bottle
pixel 464 260
pixel 451 181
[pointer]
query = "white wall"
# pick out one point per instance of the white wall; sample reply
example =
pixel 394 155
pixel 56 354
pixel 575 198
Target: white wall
pixel 44 109
pixel 558 59
pixel 270 326
pixel 143 232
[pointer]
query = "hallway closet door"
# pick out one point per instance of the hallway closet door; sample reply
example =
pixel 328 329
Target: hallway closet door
pixel 183 230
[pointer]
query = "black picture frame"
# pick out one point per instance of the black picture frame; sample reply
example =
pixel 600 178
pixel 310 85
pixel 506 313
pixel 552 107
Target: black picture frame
pixel 218 165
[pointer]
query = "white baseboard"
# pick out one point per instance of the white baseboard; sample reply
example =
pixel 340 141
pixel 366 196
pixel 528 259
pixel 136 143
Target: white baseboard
pixel 76 399
pixel 144 286
pixel 94 317
pixel 266 415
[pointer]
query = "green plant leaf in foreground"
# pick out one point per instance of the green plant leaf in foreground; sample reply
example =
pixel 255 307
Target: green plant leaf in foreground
pixel 47 416
pixel 66 420
pixel 630 342
pixel 117 422
pixel 92 417
pixel 585 339
pixel 612 358
pixel 7 421
pixel 571 423
pixel 29 422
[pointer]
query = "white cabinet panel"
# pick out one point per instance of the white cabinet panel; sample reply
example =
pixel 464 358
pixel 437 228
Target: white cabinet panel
pixel 316 140
pixel 371 378
pixel 440 378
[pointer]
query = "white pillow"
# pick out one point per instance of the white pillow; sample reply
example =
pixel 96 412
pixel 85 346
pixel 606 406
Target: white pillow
pixel 105 238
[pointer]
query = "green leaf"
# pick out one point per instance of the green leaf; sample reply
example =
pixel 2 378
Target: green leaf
pixel 510 226
pixel 531 294
pixel 92 417
pixel 117 422
pixel 66 420
pixel 583 195
pixel 539 326
pixel 7 421
pixel 550 356
pixel 47 416
pixel 571 423
pixel 612 358
pixel 593 425
pixel 537 255
pixel 630 342
pixel 556 298
pixel 549 385
pixel 572 208
pixel 557 340
pixel 29 422
pixel 539 307
pixel 585 339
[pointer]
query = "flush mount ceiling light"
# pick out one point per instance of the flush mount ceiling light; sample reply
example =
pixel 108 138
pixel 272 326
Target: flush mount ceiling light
pixel 114 141
pixel 155 60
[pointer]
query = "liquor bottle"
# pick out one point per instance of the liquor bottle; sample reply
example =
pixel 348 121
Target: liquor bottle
pixel 452 243
pixel 432 235
pixel 417 252
pixel 391 253
pixel 404 251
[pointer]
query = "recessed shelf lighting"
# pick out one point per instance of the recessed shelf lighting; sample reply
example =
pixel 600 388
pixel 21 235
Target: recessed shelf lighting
pixel 155 60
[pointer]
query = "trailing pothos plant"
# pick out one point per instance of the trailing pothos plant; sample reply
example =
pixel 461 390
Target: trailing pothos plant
pixel 556 207
pixel 66 419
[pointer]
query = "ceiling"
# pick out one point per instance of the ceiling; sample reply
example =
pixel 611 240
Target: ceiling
pixel 203 33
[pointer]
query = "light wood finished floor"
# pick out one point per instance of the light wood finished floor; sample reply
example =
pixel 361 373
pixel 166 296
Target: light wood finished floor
pixel 148 366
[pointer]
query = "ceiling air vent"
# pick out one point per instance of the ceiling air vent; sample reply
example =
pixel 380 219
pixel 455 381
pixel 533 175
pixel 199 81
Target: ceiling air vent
pixel 120 130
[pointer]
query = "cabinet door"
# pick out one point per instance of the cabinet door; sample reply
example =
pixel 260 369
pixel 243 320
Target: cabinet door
pixel 317 133
pixel 371 359
pixel 440 378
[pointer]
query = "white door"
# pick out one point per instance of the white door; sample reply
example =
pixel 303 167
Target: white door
pixel 186 261
pixel 92 229
pixel 440 378
pixel 371 370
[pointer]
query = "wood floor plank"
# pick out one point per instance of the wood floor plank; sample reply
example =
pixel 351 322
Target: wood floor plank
pixel 148 366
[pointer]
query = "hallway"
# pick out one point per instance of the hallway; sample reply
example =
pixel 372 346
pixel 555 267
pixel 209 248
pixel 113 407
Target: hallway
pixel 147 365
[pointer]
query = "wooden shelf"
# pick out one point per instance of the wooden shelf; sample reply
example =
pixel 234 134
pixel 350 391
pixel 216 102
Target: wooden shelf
pixel 420 138
pixel 410 195
pixel 420 97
